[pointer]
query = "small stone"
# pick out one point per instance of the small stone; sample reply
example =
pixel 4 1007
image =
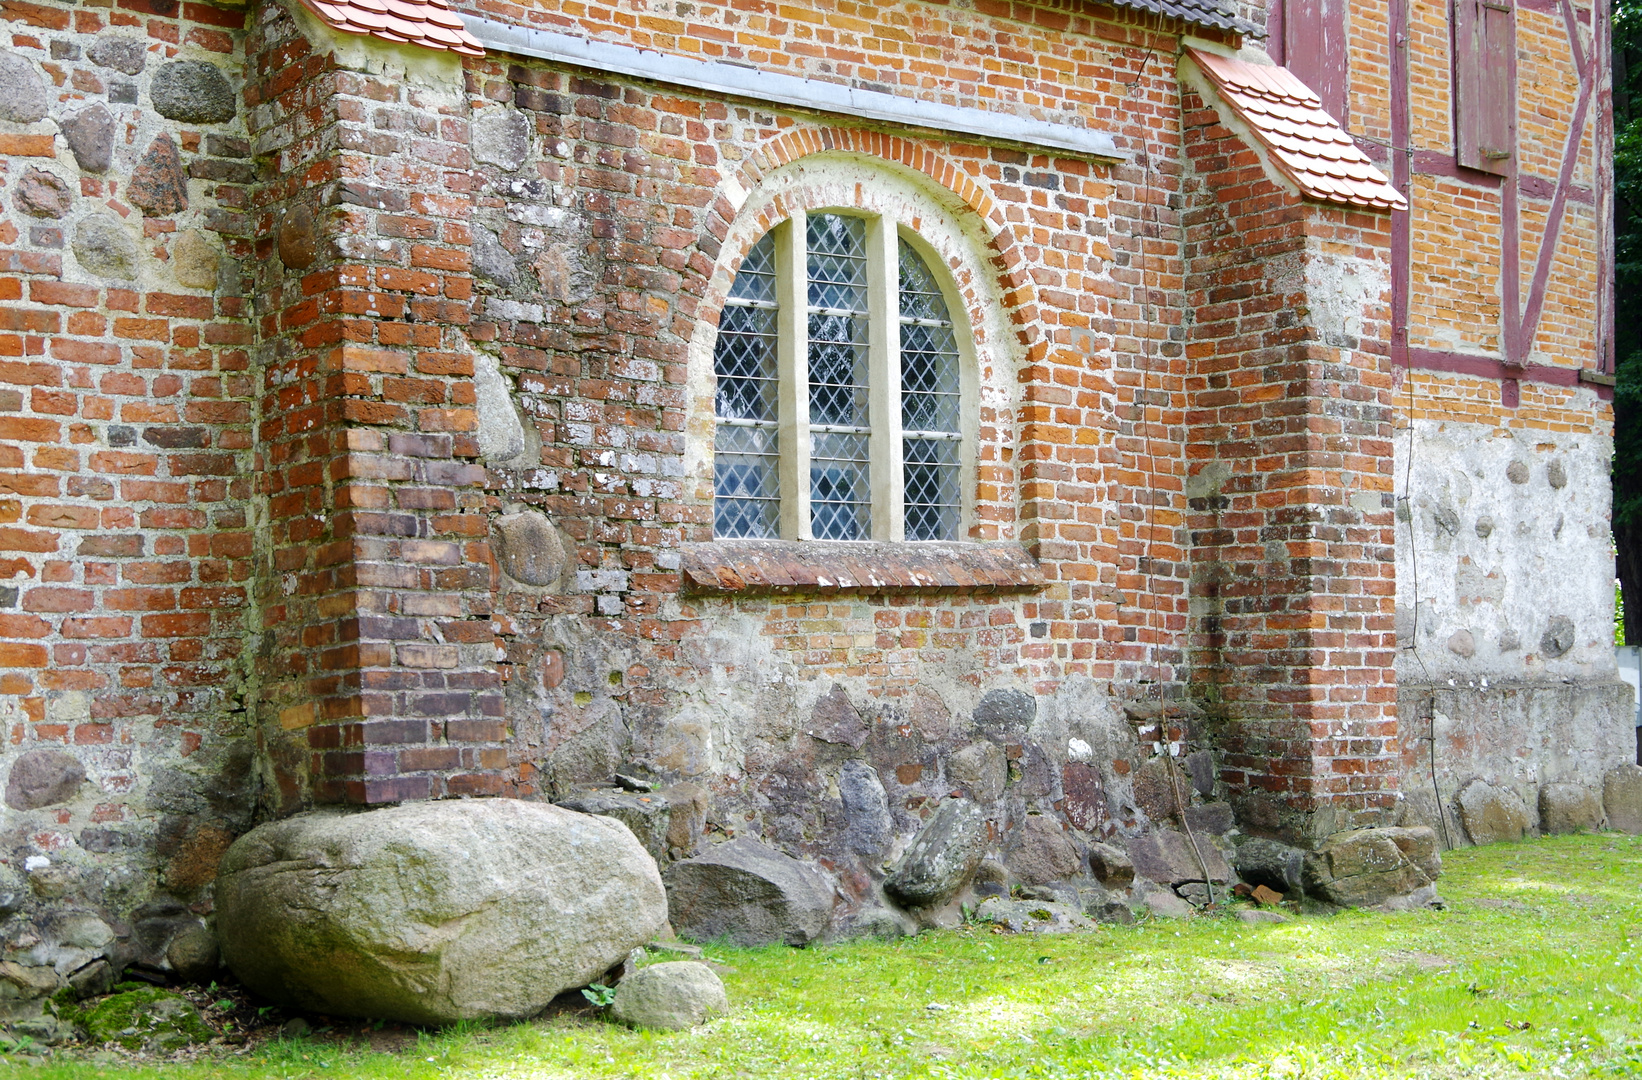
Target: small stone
pixel 105 247
pixel 880 923
pixel 298 239
pixel 1110 866
pixel 980 770
pixel 123 54
pixel 1262 917
pixel 194 260
pixel 160 186
pixel 193 91
pixel 1033 916
pixel 1517 472
pixel 647 816
pixel 1568 808
pixel 295 1028
pixel 1492 814
pixel 193 955
pixel 749 893
pixel 1462 644
pixel 1558 638
pixel 1265 897
pixel 529 549
pixel 501 137
pixel 23 94
pixel 942 857
pixel 42 195
pixel 1040 852
pixel 1485 527
pixel 90 136
pixel 93 980
pixel 43 778
pixel 1622 799
pixel 670 997
pixel 1557 474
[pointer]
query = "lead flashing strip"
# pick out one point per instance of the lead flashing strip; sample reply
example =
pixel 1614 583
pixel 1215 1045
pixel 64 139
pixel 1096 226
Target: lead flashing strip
pixel 808 94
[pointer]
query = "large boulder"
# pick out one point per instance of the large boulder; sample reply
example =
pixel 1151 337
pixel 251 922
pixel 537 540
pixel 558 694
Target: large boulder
pixel 1622 798
pixel 1368 867
pixel 1568 808
pixel 749 893
pixel 941 858
pixel 1491 814
pixel 430 913
pixel 670 997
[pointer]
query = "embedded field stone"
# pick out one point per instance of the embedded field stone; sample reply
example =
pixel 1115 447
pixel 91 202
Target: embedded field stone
pixel 491 260
pixel 193 954
pixel 1168 858
pixel 23 94
pixel 43 778
pixel 105 247
pixel 1006 714
pixel 1159 787
pixel 748 893
pixel 835 719
pixel 435 912
pixel 1556 474
pixel 1462 644
pixel 648 816
pixel 670 997
pixel 687 817
pixel 500 432
pixel 1491 814
pixel 1368 867
pixel 868 826
pixel 1213 819
pixel 42 195
pixel 193 91
pixel 90 137
pixel 980 769
pixel 1568 808
pixel 160 186
pixel 941 858
pixel 881 923
pixel 1517 472
pixel 1041 852
pixel 123 54
pixel 1164 904
pixel 1622 798
pixel 529 549
pixel 1085 796
pixel 297 238
pixel 1559 637
pixel 501 137
pixel 1111 866
pixel 1275 865
pixel 194 260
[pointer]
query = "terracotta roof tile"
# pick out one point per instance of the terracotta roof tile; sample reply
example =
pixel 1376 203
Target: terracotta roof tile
pixel 1305 142
pixel 428 23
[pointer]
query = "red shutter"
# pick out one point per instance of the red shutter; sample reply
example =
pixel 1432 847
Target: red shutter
pixel 1485 111
pixel 1314 48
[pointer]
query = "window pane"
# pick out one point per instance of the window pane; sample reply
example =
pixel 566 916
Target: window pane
pixel 933 498
pixel 838 320
pixel 746 499
pixel 930 398
pixel 840 495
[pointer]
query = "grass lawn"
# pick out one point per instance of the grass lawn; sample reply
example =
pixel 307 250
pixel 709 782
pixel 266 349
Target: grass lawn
pixel 1534 969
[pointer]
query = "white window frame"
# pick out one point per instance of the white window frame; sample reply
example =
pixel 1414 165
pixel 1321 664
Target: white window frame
pixel 886 435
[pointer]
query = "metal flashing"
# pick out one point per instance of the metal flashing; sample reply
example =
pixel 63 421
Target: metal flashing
pixel 808 94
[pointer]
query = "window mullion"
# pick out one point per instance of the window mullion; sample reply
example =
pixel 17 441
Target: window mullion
pixel 884 364
pixel 792 355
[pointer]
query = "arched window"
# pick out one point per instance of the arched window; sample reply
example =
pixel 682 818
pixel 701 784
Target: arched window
pixel 840 401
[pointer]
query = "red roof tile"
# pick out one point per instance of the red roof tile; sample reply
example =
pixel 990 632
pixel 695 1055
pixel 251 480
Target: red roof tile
pixel 1305 142
pixel 429 23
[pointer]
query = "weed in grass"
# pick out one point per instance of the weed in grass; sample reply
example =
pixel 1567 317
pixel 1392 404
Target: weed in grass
pixel 1534 970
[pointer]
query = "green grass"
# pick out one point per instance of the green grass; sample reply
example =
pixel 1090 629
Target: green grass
pixel 1534 970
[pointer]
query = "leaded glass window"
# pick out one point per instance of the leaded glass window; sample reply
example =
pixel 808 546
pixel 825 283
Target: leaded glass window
pixel 840 396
